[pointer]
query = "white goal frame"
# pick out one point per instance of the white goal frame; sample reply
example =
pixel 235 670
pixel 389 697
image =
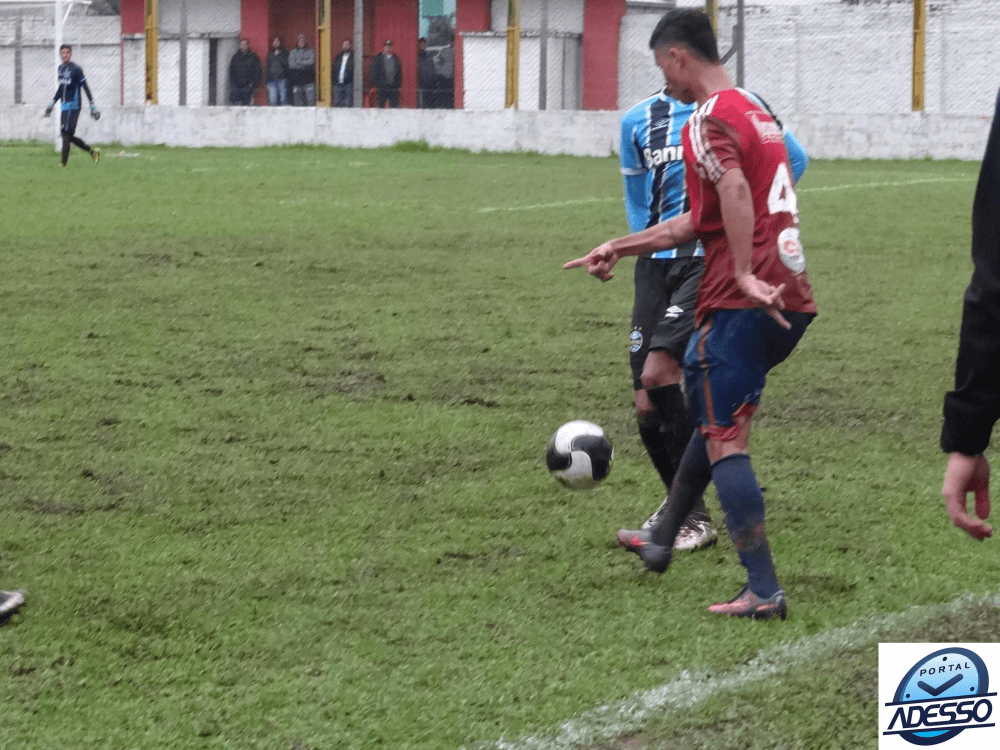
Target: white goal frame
pixel 61 10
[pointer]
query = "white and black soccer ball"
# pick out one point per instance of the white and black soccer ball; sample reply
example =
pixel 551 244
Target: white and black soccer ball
pixel 580 455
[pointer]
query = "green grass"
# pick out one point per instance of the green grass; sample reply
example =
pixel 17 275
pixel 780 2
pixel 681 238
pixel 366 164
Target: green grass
pixel 273 430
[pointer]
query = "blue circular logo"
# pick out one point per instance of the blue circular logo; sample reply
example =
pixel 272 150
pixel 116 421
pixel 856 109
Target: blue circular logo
pixel 635 341
pixel 941 696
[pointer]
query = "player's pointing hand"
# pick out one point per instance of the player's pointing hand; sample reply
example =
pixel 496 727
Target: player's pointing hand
pixel 598 262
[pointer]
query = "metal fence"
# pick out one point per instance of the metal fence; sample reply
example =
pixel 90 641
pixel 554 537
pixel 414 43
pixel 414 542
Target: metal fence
pixel 549 75
pixel 27 55
pixel 838 57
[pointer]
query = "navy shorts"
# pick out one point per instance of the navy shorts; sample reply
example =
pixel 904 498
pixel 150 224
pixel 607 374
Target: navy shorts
pixel 727 361
pixel 666 292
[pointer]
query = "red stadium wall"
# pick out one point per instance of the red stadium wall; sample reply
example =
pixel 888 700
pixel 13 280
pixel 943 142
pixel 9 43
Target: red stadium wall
pixel 133 16
pixel 255 27
pixel 399 21
pixel 601 27
pixel 470 15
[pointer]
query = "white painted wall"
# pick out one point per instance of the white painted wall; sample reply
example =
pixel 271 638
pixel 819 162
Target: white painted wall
pixel 95 49
pixel 484 71
pixel 564 15
pixel 840 57
pixel 906 136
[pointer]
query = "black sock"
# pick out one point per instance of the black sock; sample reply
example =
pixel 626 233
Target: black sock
pixel 692 478
pixel 677 428
pixel 81 144
pixel 652 440
pixel 65 149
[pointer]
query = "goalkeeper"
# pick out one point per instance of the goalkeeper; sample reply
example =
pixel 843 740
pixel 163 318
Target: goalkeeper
pixel 71 81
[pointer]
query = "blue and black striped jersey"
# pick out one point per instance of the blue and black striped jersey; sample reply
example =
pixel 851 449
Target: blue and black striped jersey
pixel 71 81
pixel 652 163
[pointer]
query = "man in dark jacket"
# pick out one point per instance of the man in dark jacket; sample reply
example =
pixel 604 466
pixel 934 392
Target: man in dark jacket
pixel 426 76
pixel 387 76
pixel 244 75
pixel 971 410
pixel 277 74
pixel 343 76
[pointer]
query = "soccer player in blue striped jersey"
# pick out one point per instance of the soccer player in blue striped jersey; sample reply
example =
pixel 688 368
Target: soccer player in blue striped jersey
pixel 71 82
pixel 666 290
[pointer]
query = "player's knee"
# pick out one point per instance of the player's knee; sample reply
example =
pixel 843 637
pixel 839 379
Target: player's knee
pixel 660 369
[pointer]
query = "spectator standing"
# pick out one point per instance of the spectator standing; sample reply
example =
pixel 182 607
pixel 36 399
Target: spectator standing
pixel 244 75
pixel 277 74
pixel 426 76
pixel 445 66
pixel 343 76
pixel 302 73
pixel 387 76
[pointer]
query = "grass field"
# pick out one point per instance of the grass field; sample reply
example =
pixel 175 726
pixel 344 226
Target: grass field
pixel 271 458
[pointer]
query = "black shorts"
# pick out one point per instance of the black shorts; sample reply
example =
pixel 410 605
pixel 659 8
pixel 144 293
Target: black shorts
pixel 666 291
pixel 68 120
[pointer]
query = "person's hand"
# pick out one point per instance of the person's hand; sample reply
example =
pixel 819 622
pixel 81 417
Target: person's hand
pixel 598 262
pixel 967 474
pixel 764 295
pixel 93 111
pixel 48 110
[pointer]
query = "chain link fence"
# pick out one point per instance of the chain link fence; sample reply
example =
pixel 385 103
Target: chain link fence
pixel 839 57
pixel 28 55
pixel 549 76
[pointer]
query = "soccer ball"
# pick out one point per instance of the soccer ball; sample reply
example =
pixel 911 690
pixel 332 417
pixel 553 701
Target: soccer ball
pixel 580 455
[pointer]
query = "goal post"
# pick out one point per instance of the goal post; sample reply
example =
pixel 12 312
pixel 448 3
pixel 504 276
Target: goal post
pixel 61 10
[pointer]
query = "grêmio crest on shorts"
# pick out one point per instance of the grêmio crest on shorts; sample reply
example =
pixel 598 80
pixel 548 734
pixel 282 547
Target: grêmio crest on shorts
pixel 731 130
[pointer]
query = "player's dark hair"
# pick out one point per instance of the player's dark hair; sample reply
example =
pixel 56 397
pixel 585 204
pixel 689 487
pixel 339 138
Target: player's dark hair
pixel 66 46
pixel 690 28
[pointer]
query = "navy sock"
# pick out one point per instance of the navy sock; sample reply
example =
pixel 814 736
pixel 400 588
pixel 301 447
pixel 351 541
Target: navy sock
pixel 690 482
pixel 743 505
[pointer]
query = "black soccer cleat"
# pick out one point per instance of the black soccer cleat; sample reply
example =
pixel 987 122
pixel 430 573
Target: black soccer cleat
pixel 640 541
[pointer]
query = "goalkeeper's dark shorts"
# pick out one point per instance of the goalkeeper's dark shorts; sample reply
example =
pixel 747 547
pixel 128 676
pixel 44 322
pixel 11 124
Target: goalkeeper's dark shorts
pixel 69 119
pixel 666 292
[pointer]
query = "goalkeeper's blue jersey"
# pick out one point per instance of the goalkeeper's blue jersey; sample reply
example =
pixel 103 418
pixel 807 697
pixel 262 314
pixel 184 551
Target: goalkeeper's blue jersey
pixel 71 80
pixel 652 164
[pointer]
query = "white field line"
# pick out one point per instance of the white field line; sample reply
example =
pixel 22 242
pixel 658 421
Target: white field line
pixel 855 186
pixel 898 183
pixel 694 686
pixel 537 206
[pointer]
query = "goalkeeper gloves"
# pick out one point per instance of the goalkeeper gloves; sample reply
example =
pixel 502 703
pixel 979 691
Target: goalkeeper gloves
pixel 93 111
pixel 48 109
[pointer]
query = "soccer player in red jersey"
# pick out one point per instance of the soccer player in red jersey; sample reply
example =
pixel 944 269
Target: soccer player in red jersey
pixel 754 300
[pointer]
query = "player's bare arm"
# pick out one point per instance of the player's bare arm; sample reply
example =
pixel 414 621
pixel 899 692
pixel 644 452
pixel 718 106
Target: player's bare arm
pixel 736 202
pixel 968 474
pixel 602 259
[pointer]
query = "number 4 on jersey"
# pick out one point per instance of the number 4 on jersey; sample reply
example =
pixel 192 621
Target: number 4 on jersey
pixel 782 198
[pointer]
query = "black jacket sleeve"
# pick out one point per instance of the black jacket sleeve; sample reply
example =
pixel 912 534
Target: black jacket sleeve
pixel 973 407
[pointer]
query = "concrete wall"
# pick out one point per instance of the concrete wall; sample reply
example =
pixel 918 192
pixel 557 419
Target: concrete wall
pixel 581 133
pixel 484 71
pixel 842 56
